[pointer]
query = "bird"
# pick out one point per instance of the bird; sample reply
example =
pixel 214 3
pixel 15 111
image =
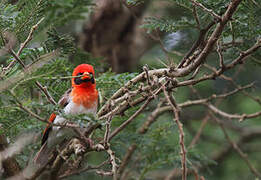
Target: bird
pixel 81 98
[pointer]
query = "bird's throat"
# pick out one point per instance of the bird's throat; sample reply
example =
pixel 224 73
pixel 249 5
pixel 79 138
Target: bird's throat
pixel 87 96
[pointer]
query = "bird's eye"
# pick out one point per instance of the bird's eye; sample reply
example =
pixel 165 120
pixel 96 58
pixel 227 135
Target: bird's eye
pixel 79 74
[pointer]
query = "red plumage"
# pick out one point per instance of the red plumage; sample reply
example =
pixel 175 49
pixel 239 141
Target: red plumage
pixel 82 98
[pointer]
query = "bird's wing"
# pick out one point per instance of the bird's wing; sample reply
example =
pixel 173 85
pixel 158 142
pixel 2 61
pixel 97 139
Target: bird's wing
pixel 62 102
pixel 65 98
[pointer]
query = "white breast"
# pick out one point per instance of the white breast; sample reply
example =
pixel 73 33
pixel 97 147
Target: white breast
pixel 75 109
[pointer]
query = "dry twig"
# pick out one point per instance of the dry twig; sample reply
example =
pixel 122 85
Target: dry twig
pixel 176 111
pixel 210 11
pixel 236 147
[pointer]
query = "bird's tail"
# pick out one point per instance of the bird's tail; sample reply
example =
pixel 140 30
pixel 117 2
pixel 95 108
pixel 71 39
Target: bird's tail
pixel 42 157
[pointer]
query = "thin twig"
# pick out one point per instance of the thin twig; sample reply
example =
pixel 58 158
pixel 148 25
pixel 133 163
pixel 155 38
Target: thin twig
pixel 198 43
pixel 123 125
pixel 236 147
pixel 17 58
pixel 195 73
pixel 88 168
pixel 107 132
pixel 23 45
pixel 126 159
pixel 258 100
pixel 195 14
pixel 113 163
pixel 176 111
pixel 20 105
pixel 197 136
pixel 221 58
pixel 29 37
pixel 46 93
pixel 210 11
pixel 151 119
pixel 146 69
pixel 233 116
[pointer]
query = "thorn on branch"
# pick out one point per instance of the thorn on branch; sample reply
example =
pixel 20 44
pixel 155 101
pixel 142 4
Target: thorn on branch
pixel 146 69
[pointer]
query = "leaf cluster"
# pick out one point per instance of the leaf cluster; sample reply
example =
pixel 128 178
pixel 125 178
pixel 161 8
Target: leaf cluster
pixel 167 24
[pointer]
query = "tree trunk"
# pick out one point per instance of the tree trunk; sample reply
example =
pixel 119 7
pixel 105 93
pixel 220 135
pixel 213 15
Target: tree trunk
pixel 112 33
pixel 9 165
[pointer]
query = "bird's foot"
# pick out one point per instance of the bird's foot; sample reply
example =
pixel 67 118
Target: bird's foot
pixel 78 147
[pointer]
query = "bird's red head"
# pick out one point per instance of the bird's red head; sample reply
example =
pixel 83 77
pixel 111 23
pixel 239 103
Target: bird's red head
pixel 86 73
